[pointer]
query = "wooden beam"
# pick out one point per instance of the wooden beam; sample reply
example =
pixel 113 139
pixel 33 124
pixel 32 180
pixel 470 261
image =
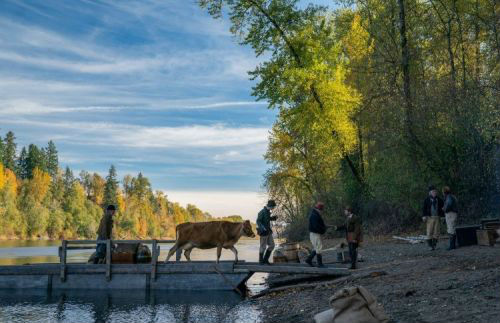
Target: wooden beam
pixel 154 260
pixel 283 269
pixel 63 260
pixel 79 242
pixel 108 260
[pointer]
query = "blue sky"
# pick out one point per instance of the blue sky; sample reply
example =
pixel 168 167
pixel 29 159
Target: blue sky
pixel 152 86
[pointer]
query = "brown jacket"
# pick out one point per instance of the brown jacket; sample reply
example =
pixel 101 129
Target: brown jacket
pixel 352 228
pixel 105 227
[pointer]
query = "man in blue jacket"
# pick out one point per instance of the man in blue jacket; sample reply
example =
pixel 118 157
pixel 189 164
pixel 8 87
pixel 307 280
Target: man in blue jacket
pixel 266 234
pixel 317 229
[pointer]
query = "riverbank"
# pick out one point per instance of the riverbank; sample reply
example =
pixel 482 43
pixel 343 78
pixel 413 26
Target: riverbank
pixel 413 284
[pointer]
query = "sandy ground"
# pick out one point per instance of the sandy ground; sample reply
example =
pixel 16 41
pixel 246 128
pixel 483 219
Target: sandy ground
pixel 462 285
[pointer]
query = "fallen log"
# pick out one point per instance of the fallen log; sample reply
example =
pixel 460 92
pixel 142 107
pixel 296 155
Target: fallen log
pixel 316 284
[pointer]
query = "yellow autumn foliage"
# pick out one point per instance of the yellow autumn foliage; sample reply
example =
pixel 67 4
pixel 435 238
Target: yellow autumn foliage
pixel 39 185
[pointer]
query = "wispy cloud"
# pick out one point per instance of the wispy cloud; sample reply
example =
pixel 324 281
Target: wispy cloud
pixel 129 135
pixel 149 85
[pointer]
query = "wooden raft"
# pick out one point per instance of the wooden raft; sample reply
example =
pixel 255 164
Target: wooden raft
pixel 195 275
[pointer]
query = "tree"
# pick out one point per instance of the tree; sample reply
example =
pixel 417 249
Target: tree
pixel 52 159
pixel 111 187
pixel 9 153
pixel 68 179
pixel 86 182
pixel 97 189
pixel 35 159
pixel 22 166
pixel 2 149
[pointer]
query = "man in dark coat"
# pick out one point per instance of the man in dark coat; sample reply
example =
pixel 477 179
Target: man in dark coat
pixel 104 232
pixel 431 213
pixel 264 219
pixel 354 236
pixel 317 229
pixel 450 210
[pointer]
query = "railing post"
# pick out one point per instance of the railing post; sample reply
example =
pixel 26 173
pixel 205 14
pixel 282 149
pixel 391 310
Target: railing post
pixel 108 260
pixel 154 259
pixel 63 260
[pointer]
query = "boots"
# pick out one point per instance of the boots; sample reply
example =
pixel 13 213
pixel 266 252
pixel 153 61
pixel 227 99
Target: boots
pixel 266 257
pixel 453 240
pixel 261 258
pixel 354 258
pixel 310 258
pixel 432 243
pixel 319 257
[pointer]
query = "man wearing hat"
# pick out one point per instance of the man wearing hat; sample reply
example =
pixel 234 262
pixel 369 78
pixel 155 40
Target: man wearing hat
pixel 317 229
pixel 432 210
pixel 266 234
pixel 104 233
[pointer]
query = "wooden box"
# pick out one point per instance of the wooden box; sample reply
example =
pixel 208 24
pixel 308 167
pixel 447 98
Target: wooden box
pixel 485 237
pixel 466 235
pixel 122 258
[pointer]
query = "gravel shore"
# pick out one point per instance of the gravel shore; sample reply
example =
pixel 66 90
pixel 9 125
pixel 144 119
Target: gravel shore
pixel 412 283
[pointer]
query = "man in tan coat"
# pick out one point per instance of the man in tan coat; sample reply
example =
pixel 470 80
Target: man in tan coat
pixel 104 233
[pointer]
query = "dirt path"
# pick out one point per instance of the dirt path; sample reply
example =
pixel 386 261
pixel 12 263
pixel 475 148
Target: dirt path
pixel 420 286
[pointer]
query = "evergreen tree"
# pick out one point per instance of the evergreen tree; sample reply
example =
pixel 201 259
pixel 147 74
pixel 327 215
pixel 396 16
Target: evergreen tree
pixel 35 159
pixel 22 167
pixel 9 154
pixel 68 179
pixel 111 187
pixel 52 159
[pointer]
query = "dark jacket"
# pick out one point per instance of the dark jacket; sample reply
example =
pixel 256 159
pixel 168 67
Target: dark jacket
pixel 316 224
pixel 352 227
pixel 426 210
pixel 450 204
pixel 105 227
pixel 264 222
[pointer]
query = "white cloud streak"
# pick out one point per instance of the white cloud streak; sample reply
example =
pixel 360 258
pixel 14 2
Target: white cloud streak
pixel 128 135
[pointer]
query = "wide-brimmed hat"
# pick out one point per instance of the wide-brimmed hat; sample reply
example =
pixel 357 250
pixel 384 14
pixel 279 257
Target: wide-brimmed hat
pixel 271 203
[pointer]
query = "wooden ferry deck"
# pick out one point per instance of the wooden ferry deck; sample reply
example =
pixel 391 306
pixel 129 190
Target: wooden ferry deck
pixel 195 275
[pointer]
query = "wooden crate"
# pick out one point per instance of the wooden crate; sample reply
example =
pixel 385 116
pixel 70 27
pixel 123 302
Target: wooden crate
pixel 122 258
pixel 485 237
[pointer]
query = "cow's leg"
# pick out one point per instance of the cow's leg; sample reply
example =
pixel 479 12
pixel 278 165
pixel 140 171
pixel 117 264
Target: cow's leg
pixel 178 254
pixel 219 250
pixel 233 249
pixel 172 251
pixel 187 253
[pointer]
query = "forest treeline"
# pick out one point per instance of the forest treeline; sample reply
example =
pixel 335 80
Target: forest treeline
pixel 38 199
pixel 377 99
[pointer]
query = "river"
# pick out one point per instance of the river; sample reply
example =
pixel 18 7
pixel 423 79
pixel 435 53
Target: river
pixel 123 306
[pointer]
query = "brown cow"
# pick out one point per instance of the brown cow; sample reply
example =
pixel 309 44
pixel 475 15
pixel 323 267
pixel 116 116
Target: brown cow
pixel 207 235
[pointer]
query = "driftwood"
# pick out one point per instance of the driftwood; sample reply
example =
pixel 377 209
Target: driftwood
pixel 412 240
pixel 317 284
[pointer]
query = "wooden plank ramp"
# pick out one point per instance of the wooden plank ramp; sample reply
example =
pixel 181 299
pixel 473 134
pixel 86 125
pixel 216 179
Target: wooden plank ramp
pixel 284 268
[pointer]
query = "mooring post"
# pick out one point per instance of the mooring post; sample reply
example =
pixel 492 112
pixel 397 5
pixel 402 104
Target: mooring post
pixel 154 259
pixel 63 260
pixel 108 260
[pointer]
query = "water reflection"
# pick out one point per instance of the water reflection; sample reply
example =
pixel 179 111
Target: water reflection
pixel 124 306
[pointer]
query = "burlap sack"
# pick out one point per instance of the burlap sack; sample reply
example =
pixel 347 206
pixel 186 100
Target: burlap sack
pixel 353 305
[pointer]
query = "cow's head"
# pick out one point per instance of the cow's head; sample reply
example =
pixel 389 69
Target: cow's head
pixel 247 229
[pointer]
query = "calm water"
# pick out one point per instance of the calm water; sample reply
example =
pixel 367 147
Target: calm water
pixel 122 306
